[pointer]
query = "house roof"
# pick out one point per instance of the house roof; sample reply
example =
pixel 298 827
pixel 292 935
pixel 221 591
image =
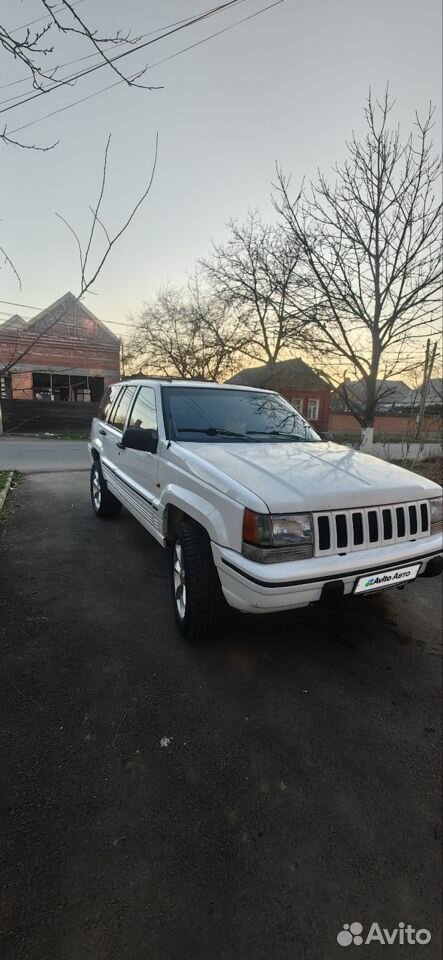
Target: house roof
pixel 14 323
pixel 435 390
pixel 67 311
pixel 69 307
pixel 286 374
pixel 388 391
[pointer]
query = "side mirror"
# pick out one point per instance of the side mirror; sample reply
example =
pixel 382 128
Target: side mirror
pixel 135 438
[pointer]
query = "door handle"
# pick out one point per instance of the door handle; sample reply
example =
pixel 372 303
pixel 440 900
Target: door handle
pixel 121 446
pixel 103 433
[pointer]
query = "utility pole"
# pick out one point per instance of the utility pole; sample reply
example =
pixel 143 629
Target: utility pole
pixel 429 363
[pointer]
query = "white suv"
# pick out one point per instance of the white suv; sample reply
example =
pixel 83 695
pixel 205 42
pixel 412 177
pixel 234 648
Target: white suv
pixel 258 510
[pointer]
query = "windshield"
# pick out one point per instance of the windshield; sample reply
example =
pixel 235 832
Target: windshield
pixel 211 415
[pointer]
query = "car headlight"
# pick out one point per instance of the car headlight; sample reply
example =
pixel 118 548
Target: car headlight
pixel 436 507
pixel 274 538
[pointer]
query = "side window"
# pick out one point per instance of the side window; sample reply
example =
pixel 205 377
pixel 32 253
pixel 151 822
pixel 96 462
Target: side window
pixel 107 401
pixel 120 411
pixel 144 413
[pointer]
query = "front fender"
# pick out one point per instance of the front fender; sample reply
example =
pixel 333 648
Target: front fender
pixel 222 519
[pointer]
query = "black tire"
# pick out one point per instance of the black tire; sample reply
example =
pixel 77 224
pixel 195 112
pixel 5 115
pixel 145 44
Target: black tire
pixel 104 504
pixel 204 605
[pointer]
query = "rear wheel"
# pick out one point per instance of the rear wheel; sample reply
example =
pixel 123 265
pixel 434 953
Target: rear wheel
pixel 104 503
pixel 197 596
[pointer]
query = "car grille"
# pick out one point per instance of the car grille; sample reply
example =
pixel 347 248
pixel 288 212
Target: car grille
pixel 341 531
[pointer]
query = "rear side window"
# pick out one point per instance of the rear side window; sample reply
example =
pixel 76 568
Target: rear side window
pixel 107 401
pixel 120 411
pixel 144 413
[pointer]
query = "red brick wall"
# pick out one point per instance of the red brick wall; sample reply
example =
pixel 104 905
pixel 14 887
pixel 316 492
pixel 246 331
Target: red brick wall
pixel 49 353
pixel 345 423
pixel 58 355
pixel 21 384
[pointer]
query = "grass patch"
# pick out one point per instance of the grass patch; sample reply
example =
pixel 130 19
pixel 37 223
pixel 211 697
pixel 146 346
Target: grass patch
pixel 6 510
pixel 4 474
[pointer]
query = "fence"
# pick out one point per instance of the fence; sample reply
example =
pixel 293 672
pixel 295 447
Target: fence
pixel 387 424
pixel 41 416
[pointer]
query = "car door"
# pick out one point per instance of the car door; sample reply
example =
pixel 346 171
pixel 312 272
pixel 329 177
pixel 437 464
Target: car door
pixel 136 469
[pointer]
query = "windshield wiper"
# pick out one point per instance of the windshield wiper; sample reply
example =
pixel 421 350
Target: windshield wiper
pixel 214 432
pixel 280 433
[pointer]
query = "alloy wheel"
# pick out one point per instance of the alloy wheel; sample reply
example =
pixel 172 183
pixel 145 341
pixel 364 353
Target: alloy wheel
pixel 96 489
pixel 179 580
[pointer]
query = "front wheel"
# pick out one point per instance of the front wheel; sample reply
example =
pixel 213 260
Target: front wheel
pixel 196 592
pixel 103 502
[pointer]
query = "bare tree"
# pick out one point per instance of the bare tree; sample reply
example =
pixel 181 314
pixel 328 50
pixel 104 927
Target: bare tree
pixel 371 249
pixel 35 48
pixel 90 267
pixel 255 274
pixel 185 333
pixel 32 46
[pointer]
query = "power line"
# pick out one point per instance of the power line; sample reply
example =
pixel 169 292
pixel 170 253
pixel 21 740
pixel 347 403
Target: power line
pixel 126 53
pixel 66 107
pixel 29 306
pixel 107 323
pixel 172 56
pixel 89 56
pixel 46 17
pixel 218 33
pixel 8 315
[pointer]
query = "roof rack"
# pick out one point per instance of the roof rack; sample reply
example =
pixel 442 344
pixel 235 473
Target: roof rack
pixel 145 376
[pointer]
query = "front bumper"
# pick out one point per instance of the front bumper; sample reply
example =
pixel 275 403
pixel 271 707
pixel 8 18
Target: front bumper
pixel 261 588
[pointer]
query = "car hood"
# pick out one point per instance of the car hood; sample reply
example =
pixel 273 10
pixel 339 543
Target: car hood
pixel 308 476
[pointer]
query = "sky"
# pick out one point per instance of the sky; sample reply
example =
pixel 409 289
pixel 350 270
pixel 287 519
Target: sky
pixel 287 86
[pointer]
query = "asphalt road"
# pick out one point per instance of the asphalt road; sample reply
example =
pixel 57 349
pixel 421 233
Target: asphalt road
pixel 238 800
pixel 43 456
pixel 48 456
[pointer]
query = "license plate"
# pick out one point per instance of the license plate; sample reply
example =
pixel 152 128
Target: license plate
pixel 386 578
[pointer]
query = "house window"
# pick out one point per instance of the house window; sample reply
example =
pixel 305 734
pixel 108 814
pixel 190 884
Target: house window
pixel 41 383
pixel 6 387
pixel 66 386
pixel 60 386
pixel 96 386
pixel 313 409
pixel 297 403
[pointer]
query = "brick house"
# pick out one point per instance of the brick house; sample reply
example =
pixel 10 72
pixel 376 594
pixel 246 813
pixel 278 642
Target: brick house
pixel 297 382
pixel 70 355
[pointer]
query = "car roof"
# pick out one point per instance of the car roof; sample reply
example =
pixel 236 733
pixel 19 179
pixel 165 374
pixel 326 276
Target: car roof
pixel 177 382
